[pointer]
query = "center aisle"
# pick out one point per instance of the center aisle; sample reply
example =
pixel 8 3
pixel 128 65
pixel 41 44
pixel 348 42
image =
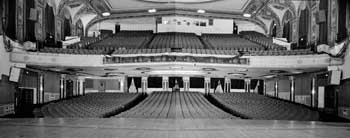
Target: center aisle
pixel 176 105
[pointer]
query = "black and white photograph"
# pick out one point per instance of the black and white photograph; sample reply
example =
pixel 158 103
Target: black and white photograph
pixel 174 68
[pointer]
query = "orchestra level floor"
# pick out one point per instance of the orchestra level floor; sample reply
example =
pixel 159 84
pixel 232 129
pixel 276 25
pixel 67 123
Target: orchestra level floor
pixel 167 128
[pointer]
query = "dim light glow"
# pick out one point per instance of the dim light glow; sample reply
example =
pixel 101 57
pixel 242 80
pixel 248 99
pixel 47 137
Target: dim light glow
pixel 106 14
pixel 200 11
pixel 247 15
pixel 152 10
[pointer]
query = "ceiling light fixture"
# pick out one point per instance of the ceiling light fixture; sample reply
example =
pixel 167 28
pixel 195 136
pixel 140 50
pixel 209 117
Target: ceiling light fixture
pixel 105 14
pixel 152 10
pixel 247 15
pixel 200 11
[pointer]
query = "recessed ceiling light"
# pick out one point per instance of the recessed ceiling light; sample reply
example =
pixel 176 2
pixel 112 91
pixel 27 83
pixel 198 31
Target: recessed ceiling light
pixel 237 74
pixel 114 73
pixel 297 71
pixel 268 76
pixel 152 10
pixel 247 15
pixel 241 70
pixel 200 11
pixel 106 14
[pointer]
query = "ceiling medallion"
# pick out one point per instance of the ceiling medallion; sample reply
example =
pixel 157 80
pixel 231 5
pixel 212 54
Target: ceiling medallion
pixel 179 1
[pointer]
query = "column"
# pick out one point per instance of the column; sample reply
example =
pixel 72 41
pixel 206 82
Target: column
pixel 292 88
pixel 62 88
pixel 81 86
pixel 186 81
pixel 276 88
pixel 40 96
pixel 165 83
pixel 207 85
pixel 264 91
pixel 227 85
pixel 247 85
pixel 125 84
pixel 313 92
pixel 144 84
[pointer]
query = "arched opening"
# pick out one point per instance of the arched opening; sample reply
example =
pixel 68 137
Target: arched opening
pixel 67 28
pixel 323 26
pixel 273 29
pixel 10 18
pixel 30 22
pixel 287 26
pixel 50 25
pixel 303 27
pixel 79 28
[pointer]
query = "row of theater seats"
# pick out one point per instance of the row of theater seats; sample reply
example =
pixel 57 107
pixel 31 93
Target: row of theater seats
pixel 126 39
pixel 228 41
pixel 89 105
pixel 168 50
pixel 176 40
pixel 279 52
pixel 74 51
pixel 175 105
pixel 261 40
pixel 101 51
pixel 84 42
pixel 256 106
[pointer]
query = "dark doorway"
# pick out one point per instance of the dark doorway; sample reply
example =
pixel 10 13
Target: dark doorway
pixel 117 28
pixel 330 99
pixel 196 82
pixel 154 82
pixel 24 102
pixel 172 82
pixel 69 88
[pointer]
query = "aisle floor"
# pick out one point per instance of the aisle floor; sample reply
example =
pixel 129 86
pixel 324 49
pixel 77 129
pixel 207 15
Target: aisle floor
pixel 167 128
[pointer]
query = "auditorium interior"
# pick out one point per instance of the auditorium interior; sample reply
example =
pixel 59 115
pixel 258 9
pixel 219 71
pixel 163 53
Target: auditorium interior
pixel 174 68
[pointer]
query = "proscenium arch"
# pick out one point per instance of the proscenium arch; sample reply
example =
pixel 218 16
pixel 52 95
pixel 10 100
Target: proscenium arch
pixel 98 19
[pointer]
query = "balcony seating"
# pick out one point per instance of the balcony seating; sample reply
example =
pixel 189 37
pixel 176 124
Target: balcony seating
pixel 175 105
pixel 279 52
pixel 90 105
pixel 74 51
pixel 168 50
pixel 176 40
pixel 256 106
pixel 262 40
pixel 229 41
pixel 84 42
pixel 125 39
